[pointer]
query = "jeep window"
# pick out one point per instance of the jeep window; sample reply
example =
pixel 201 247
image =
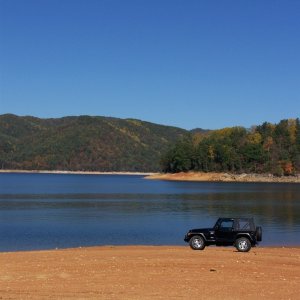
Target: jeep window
pixel 244 224
pixel 226 225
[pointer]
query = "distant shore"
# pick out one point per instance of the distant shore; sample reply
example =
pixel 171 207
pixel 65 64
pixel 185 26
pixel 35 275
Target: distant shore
pixel 181 176
pixel 151 272
pixel 224 177
pixel 77 172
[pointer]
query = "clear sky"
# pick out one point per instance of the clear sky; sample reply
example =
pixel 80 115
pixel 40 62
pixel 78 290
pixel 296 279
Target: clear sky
pixel 188 63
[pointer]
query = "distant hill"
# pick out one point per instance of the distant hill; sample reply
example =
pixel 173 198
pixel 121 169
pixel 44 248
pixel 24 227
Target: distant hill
pixel 83 143
pixel 200 131
pixel 86 143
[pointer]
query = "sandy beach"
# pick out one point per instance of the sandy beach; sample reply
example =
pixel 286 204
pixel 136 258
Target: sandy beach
pixel 151 272
pixel 223 177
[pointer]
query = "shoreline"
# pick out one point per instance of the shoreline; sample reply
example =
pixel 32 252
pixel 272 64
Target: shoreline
pixel 137 246
pixel 151 272
pixel 181 176
pixel 223 177
pixel 61 172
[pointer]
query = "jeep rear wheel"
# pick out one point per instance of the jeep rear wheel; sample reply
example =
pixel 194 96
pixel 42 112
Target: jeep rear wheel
pixel 243 244
pixel 197 242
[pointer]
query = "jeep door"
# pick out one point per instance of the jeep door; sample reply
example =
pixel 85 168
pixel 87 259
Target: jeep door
pixel 225 232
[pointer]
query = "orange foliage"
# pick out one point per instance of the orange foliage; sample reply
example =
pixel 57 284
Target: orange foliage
pixel 287 167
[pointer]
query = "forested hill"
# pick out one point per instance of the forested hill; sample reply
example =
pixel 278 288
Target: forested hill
pixel 87 143
pixel 83 143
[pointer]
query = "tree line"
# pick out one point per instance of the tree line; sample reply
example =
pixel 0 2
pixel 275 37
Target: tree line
pixel 267 148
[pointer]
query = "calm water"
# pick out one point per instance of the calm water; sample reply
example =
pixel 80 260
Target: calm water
pixel 45 211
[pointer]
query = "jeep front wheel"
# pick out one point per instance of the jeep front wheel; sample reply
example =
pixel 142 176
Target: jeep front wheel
pixel 243 244
pixel 197 242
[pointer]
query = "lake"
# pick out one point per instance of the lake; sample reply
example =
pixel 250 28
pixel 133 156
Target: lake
pixel 46 211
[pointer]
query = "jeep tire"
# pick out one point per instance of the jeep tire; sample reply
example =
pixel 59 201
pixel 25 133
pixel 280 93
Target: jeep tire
pixel 243 244
pixel 197 242
pixel 258 233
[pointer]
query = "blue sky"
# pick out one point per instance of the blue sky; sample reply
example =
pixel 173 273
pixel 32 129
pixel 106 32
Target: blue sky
pixel 208 64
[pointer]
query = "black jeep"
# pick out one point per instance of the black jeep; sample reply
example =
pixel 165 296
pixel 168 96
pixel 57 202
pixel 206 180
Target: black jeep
pixel 238 232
